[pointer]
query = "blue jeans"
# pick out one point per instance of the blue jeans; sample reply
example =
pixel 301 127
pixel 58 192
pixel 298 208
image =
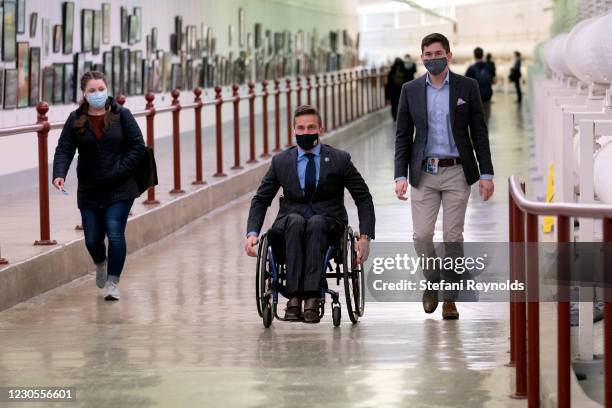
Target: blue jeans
pixel 111 222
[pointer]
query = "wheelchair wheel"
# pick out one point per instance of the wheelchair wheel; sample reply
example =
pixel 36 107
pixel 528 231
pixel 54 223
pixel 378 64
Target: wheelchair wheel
pixel 353 277
pixel 262 275
pixel 336 313
pixel 267 314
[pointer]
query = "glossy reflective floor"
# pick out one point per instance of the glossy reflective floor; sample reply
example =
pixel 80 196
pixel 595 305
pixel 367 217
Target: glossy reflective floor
pixel 186 332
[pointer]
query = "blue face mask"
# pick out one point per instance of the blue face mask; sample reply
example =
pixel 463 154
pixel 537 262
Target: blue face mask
pixel 97 100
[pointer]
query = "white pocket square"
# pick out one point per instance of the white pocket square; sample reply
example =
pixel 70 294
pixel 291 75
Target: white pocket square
pixel 460 102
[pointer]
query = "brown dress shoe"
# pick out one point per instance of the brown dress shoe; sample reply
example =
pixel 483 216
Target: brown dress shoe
pixel 430 300
pixel 293 312
pixel 449 310
pixel 311 310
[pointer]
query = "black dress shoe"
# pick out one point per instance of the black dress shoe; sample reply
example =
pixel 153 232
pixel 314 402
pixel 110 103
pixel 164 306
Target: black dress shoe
pixel 311 310
pixel 293 312
pixel 449 310
pixel 430 300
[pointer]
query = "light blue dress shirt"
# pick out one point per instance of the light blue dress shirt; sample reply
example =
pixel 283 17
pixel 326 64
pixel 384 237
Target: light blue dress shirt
pixel 302 161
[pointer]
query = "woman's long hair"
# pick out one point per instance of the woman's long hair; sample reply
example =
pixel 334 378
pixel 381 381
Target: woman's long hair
pixel 109 116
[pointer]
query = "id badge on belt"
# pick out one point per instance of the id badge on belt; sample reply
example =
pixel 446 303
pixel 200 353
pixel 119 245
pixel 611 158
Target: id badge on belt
pixel 431 165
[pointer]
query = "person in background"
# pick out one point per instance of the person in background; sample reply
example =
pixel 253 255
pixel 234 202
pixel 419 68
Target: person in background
pixel 398 76
pixel 111 148
pixel 410 67
pixel 515 76
pixel 481 72
pixel 492 68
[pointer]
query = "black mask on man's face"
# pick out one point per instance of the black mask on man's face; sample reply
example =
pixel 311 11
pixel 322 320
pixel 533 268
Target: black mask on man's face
pixel 307 141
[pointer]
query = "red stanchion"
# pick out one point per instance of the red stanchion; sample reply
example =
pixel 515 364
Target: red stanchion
pixel 252 158
pixel 236 103
pixel 150 97
pixel 219 128
pixel 198 137
pixel 277 138
pixel 43 175
pixel 264 103
pixel 289 113
pixel 176 142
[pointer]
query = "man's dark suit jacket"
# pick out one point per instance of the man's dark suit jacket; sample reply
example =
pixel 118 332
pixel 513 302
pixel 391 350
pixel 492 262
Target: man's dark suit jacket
pixel 336 172
pixel 412 114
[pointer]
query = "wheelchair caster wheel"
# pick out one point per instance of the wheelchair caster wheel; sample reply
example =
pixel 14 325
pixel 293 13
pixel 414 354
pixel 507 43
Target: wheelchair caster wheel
pixel 336 314
pixel 267 315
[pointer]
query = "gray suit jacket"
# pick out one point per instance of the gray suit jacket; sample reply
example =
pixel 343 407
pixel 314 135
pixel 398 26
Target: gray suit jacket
pixel 412 115
pixel 336 173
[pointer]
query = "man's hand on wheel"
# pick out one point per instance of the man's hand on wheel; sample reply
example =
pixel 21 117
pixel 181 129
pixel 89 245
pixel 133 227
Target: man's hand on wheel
pixel 401 187
pixel 362 247
pixel 250 243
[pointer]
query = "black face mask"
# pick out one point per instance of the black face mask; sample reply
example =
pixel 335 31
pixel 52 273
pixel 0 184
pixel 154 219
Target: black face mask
pixel 307 141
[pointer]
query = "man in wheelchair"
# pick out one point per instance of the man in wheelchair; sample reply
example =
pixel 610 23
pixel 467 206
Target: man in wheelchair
pixel 313 177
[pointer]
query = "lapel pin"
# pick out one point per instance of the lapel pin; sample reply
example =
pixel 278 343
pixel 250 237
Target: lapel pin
pixel 326 159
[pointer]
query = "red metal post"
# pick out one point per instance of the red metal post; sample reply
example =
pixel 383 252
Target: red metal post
pixel 318 93
pixel 198 137
pixel 512 240
pixel 176 142
pixel 563 318
pixel 357 93
pixel 219 126
pixel 277 141
pixel 264 101
pixel 533 314
pixel 150 97
pixel 332 85
pixel 352 95
pixel 373 90
pixel 236 103
pixel 325 123
pixel 607 239
pixel 43 175
pixel 289 113
pixel 308 90
pixel 346 100
pixel 339 81
pixel 252 158
pixel 520 318
pixel 299 91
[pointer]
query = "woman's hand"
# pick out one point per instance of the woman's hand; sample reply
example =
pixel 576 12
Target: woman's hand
pixel 59 183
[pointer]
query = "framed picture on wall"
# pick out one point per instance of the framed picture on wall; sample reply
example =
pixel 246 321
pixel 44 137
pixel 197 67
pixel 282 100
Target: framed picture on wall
pixel 1 86
pixel 33 24
pixel 88 66
pixel 154 34
pixel 97 32
pixel 34 75
pixel 175 78
pixel 68 25
pixel 258 36
pixel 79 66
pixel 125 71
pixel 146 74
pixel 23 70
pixel 124 24
pixel 57 38
pixel 137 74
pixel 116 72
pixel 21 16
pixel 107 61
pixel 133 25
pixel 46 34
pixel 86 30
pixel 69 96
pixel 99 68
pixel 106 17
pixel 11 83
pixel 48 78
pixel 138 14
pixel 9 36
pixel 58 84
pixel 241 28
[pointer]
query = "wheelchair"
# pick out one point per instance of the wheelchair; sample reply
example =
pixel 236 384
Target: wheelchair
pixel 271 276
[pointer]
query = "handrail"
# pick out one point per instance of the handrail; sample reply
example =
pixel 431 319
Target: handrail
pixel 558 209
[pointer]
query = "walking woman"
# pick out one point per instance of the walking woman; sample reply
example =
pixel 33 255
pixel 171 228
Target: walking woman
pixel 398 76
pixel 111 148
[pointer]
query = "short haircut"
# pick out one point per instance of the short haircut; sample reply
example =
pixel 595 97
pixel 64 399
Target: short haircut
pixel 435 38
pixel 478 53
pixel 304 110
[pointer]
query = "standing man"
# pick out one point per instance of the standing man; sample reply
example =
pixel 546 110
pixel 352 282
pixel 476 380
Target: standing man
pixel 515 76
pixel 445 110
pixel 481 72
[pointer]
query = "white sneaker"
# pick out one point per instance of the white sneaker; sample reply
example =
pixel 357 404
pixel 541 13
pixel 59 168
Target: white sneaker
pixel 111 291
pixel 101 274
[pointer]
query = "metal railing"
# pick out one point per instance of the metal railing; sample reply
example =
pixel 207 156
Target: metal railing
pixel 524 313
pixel 366 95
